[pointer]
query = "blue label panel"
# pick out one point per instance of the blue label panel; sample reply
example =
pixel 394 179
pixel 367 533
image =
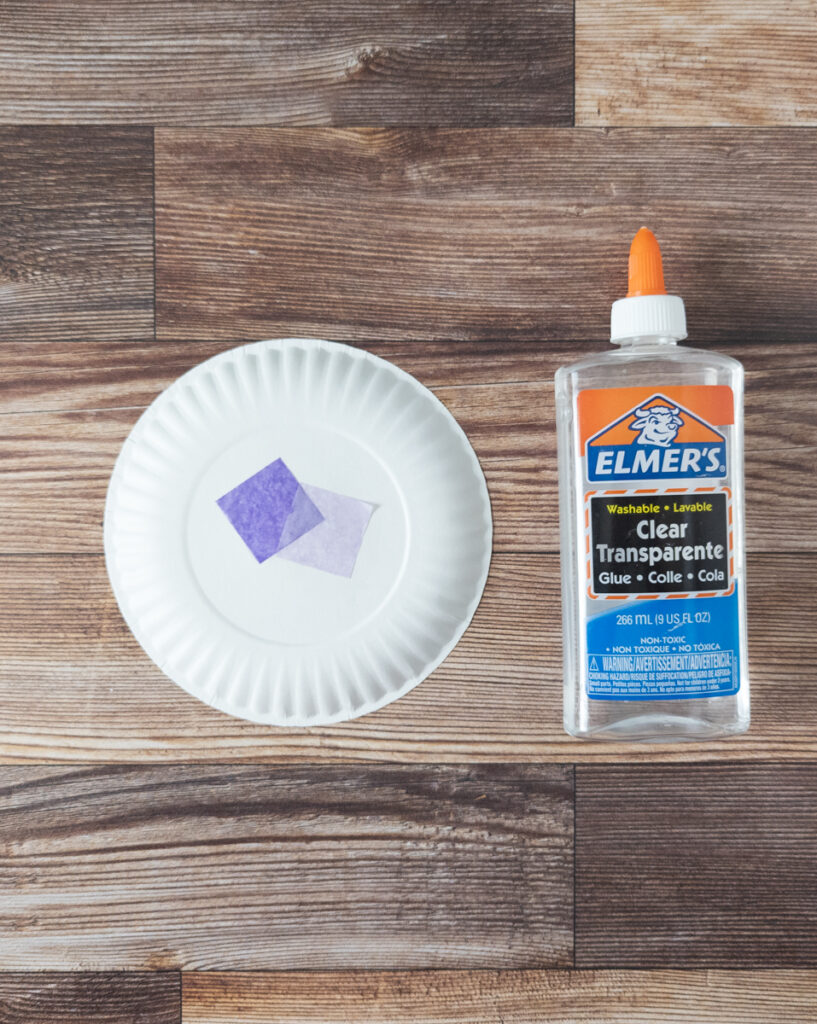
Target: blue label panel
pixel 665 649
pixel 649 462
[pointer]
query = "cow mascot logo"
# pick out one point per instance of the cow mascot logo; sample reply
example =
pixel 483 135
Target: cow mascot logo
pixel 658 425
pixel 658 439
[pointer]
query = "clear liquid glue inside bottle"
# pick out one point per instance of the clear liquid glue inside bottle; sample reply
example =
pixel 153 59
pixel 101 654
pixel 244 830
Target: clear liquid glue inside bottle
pixel 650 441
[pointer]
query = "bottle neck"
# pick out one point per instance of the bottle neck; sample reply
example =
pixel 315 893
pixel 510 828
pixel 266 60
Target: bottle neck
pixel 647 341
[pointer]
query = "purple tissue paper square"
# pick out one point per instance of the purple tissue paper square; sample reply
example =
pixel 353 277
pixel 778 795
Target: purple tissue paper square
pixel 334 544
pixel 270 510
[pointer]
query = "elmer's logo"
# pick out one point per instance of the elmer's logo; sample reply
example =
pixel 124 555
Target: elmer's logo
pixel 656 440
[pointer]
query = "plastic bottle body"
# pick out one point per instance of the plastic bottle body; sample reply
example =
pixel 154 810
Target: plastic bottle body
pixel 646 366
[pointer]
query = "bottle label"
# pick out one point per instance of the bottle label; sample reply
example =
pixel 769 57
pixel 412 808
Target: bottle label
pixel 662 606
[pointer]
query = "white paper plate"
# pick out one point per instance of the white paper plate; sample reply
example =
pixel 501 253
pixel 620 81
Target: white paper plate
pixel 278 642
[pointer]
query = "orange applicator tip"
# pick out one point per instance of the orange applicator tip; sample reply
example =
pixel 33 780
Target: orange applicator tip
pixel 646 276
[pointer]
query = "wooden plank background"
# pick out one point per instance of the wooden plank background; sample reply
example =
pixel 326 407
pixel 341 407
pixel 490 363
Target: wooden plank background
pixel 314 867
pixel 74 685
pixel 76 232
pixel 481 234
pixel 288 62
pixel 696 866
pixel 412 997
pixel 81 998
pixel 506 997
pixel 696 62
pixel 411 177
pixel 75 412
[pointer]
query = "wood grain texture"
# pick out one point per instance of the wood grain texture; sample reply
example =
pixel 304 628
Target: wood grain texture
pixel 690 62
pixel 482 235
pixel 75 685
pixel 255 868
pixel 81 400
pixel 76 232
pixel 67 377
pixel 81 998
pixel 57 467
pixel 82 376
pixel 293 61
pixel 696 866
pixel 506 997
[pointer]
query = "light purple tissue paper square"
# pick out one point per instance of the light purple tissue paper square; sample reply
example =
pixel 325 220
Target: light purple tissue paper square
pixel 332 545
pixel 270 510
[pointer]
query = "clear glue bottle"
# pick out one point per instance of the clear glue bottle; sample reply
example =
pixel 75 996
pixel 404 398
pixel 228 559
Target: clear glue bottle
pixel 652 524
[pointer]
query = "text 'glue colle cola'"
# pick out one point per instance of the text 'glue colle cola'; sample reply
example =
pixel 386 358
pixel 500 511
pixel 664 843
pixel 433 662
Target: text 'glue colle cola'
pixel 652 521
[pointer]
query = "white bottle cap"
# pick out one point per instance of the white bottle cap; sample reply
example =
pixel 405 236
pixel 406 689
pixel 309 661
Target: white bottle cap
pixel 640 316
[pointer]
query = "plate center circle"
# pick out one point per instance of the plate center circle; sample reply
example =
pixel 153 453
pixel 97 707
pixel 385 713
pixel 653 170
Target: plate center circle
pixel 280 601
